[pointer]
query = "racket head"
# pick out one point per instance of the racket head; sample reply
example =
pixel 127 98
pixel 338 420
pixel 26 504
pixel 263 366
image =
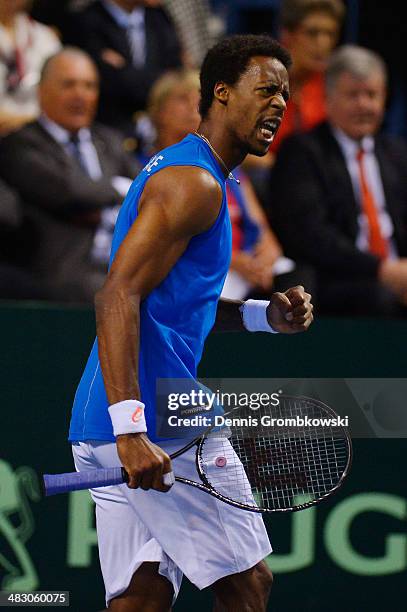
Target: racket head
pixel 285 468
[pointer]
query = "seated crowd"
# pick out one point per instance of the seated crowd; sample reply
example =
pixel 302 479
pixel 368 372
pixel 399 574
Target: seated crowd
pixel 84 106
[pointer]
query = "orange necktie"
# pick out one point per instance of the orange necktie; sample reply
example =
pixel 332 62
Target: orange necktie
pixel 377 243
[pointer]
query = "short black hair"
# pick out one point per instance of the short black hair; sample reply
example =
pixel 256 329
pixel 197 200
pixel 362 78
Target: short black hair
pixel 228 60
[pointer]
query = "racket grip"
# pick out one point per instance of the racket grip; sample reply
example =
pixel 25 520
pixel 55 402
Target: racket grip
pixel 88 479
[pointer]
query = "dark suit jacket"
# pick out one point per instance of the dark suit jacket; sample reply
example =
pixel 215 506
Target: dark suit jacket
pixel 313 208
pixel 124 90
pixel 62 203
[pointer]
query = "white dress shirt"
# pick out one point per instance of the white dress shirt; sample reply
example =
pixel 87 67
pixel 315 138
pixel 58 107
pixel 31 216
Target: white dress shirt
pixel 350 148
pixel 85 145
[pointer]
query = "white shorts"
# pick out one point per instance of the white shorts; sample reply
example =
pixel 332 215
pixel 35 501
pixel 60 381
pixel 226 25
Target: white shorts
pixel 186 530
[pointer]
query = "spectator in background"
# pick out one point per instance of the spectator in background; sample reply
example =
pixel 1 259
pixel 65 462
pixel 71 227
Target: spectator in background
pixel 173 109
pixel 24 46
pixel 310 31
pixel 71 175
pixel 132 42
pixel 339 194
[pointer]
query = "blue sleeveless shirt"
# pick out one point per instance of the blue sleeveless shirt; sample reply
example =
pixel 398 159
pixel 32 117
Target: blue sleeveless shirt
pixel 177 316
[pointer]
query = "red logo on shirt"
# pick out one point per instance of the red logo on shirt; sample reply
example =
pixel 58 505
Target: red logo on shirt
pixel 137 414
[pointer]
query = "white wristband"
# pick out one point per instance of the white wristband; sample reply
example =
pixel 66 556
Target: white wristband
pixel 254 313
pixel 128 417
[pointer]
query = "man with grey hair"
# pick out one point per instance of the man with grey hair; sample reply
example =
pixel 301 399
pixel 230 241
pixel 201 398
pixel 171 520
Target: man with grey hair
pixel 339 194
pixel 71 175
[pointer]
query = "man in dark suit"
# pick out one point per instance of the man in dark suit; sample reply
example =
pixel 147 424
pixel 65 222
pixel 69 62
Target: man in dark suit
pixel 132 43
pixel 71 175
pixel 339 194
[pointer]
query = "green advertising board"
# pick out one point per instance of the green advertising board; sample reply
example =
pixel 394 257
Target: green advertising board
pixel 348 554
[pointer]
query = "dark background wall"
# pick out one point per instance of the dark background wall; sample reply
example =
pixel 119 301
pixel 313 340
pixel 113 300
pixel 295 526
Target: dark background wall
pixel 349 554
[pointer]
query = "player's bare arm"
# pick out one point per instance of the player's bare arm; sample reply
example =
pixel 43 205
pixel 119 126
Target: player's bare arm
pixel 290 312
pixel 177 204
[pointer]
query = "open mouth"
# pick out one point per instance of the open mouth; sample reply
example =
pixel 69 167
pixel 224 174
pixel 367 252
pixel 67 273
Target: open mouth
pixel 268 128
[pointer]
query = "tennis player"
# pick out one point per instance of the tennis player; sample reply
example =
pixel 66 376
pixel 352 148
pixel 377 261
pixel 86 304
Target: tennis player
pixel 170 255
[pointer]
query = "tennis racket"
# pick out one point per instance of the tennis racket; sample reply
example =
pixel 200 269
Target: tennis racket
pixel 287 466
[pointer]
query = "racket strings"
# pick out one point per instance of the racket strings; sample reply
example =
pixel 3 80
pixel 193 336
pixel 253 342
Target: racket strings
pixel 284 465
